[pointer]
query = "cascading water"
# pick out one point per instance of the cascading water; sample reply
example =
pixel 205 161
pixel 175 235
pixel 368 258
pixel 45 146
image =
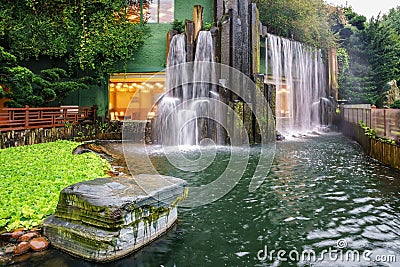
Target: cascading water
pixel 184 107
pixel 299 75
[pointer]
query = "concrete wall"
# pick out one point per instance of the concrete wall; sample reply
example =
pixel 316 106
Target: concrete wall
pixel 151 57
pixel 98 131
pixel 95 95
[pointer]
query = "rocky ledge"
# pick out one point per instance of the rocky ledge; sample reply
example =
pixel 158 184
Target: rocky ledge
pixel 108 218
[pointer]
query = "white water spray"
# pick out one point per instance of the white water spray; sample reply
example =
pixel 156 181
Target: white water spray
pixel 299 74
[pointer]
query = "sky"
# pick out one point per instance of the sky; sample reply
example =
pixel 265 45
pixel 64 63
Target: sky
pixel 368 8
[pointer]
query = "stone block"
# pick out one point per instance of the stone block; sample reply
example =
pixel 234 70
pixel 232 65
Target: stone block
pixel 108 218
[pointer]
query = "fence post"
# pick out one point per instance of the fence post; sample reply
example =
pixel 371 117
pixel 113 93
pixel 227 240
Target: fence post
pixel 94 114
pixel 370 118
pixel 26 116
pixel 384 123
pixel 366 116
pixel 53 120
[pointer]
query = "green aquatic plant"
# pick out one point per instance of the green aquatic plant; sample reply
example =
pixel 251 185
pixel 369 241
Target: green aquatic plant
pixel 372 134
pixel 32 178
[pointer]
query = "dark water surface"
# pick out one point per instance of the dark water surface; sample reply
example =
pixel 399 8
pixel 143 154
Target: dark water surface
pixel 320 190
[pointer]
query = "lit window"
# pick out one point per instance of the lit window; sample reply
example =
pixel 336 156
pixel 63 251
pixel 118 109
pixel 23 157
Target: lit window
pixel 132 96
pixel 154 11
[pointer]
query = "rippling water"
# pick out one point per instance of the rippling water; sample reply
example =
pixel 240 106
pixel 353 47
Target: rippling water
pixel 320 190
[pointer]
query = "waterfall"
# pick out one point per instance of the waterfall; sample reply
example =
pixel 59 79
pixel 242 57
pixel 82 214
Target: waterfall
pixel 183 109
pixel 299 74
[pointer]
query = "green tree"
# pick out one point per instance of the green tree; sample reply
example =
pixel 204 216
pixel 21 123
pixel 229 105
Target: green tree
pixel 384 35
pixel 23 87
pixel 83 37
pixel 89 35
pixel 304 20
pixel 356 83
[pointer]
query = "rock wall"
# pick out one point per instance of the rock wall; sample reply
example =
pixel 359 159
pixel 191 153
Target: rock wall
pixel 238 46
pixel 107 131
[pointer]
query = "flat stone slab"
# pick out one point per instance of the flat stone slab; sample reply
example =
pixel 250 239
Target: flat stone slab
pixel 108 218
pixel 112 203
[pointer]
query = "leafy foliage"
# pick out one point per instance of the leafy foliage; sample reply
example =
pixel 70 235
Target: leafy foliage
pixel 373 50
pixel 32 178
pixel 384 35
pixel 28 88
pixel 84 38
pixel 344 65
pixel 178 25
pixel 357 78
pixel 303 20
pixel 208 26
pixel 372 134
pixel 355 19
pixel 396 104
pixel 88 35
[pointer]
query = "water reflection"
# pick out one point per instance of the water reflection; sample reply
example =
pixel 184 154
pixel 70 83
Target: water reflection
pixel 319 190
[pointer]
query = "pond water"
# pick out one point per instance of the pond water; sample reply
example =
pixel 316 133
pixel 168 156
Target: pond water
pixel 320 190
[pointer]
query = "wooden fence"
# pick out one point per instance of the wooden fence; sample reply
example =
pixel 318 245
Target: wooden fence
pixel 17 119
pixel 385 122
pixel 388 154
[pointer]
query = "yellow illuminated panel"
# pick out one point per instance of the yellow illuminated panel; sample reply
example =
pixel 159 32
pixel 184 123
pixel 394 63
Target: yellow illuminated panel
pixel 282 102
pixel 138 91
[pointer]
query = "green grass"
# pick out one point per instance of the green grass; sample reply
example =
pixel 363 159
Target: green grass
pixel 32 177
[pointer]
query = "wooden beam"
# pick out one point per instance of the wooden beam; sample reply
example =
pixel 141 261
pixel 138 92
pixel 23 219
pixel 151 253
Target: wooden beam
pixel 198 13
pixel 190 37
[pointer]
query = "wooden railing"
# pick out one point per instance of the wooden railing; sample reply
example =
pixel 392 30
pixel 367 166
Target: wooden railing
pixel 15 119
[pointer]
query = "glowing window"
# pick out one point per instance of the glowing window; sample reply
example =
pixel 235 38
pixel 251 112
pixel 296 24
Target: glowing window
pixel 132 95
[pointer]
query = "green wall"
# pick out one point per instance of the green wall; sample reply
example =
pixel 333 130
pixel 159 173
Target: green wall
pixel 151 57
pixel 184 9
pixel 95 95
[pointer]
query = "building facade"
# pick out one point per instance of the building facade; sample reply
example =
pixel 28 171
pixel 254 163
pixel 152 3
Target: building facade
pixel 143 75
